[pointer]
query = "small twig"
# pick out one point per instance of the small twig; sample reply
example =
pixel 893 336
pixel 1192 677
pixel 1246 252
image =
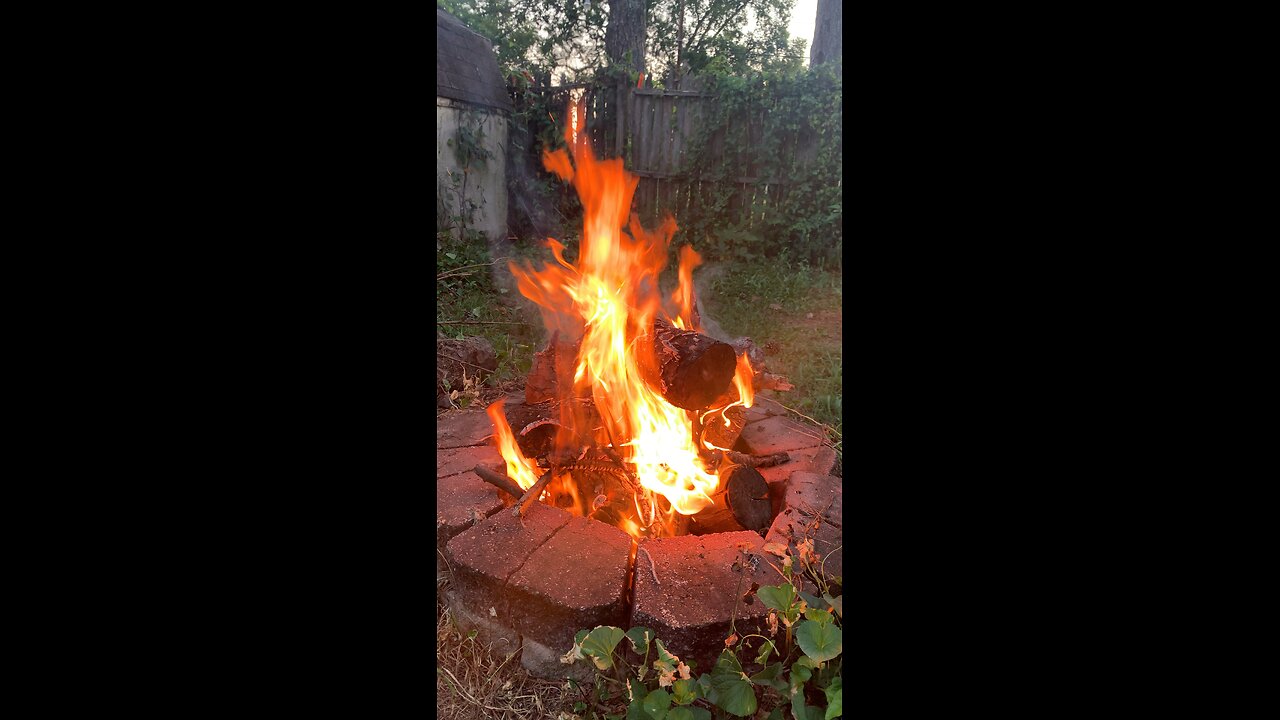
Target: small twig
pixel 522 505
pixel 757 460
pixel 652 564
pixel 806 417
pixel 447 273
pixel 500 481
pixel 479 322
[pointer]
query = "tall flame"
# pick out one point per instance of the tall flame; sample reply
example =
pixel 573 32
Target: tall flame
pixel 610 296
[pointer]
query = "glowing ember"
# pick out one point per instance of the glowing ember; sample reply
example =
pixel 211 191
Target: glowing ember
pixel 610 298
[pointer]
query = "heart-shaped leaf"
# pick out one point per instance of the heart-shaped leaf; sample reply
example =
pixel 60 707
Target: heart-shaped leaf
pixel 656 704
pixel 735 696
pixel 599 645
pixel 679 713
pixel 777 597
pixel 822 642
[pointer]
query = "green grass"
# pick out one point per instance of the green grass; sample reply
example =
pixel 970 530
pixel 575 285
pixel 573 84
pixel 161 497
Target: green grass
pixel 808 351
pixel 469 294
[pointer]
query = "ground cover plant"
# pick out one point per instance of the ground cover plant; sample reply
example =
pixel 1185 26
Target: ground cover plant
pixel 794 672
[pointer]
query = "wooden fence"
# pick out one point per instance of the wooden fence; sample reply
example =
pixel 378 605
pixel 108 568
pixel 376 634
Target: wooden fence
pixel 652 129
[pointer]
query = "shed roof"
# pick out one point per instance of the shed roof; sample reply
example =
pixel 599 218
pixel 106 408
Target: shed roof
pixel 466 68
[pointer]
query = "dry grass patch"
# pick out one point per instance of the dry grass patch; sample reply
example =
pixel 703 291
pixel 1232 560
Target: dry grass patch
pixel 472 681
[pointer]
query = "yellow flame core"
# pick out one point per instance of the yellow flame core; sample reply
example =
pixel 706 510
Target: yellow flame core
pixel 611 295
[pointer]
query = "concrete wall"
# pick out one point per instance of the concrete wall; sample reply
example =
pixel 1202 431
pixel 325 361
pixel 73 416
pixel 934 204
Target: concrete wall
pixel 487 182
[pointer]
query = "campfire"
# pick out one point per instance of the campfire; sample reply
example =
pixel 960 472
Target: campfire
pixel 631 412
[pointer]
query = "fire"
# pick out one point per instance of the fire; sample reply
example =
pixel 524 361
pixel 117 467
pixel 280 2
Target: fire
pixel 519 468
pixel 610 297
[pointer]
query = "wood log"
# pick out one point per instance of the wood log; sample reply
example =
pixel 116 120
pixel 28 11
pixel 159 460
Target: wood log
pixel 551 374
pixel 741 503
pixel 721 435
pixel 543 427
pixel 687 368
pixel 499 480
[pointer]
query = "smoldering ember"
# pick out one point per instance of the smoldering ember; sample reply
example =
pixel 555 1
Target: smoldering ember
pixel 638 479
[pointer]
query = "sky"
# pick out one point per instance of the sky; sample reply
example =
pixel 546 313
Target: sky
pixel 803 17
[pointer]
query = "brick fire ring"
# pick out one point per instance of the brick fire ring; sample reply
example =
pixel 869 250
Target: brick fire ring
pixel 533 585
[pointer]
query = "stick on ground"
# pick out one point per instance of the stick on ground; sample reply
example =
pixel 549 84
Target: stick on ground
pixel 499 480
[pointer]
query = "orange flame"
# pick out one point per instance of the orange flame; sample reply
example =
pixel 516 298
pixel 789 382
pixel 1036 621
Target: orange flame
pixel 610 296
pixel 519 468
pixel 683 296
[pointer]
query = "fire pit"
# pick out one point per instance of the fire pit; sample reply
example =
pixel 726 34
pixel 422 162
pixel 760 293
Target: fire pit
pixel 638 478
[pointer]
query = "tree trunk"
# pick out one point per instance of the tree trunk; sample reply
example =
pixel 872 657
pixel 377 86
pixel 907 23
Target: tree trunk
pixel 828 35
pixel 624 37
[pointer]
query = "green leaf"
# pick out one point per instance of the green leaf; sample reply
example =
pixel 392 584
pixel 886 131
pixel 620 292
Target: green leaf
pixel 699 713
pixel 822 642
pixel 579 706
pixel 706 689
pixel 776 714
pixel 834 700
pixel 801 670
pixel 777 597
pixel 451 256
pixel 771 676
pixel 475 311
pixel 736 696
pixel 639 637
pixel 822 617
pixel 685 691
pixel 663 654
pixel 727 666
pixel 637 690
pixel 766 648
pixel 836 603
pixel 679 713
pixel 809 600
pixel 599 645
pixel 656 704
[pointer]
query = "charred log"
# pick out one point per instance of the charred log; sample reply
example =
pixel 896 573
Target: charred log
pixel 689 369
pixel 741 503
pixel 721 434
pixel 552 371
pixel 541 427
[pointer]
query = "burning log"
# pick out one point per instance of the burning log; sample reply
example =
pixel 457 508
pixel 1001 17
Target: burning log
pixel 721 435
pixel 741 503
pixel 522 505
pixel 552 370
pixel 539 427
pixel 692 369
